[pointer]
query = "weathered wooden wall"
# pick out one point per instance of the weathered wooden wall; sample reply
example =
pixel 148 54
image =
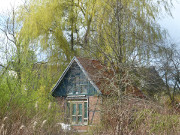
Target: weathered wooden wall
pixel 75 83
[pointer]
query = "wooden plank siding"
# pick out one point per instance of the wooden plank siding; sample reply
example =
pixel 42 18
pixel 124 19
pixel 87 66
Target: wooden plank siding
pixel 74 83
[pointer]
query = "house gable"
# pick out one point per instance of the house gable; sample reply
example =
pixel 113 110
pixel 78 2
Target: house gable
pixel 75 81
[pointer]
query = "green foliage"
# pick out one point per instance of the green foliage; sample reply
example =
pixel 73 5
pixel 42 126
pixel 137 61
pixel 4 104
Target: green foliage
pixel 111 29
pixel 43 19
pixel 126 28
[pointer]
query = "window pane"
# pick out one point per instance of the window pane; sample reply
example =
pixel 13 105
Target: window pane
pixel 68 110
pixel 85 109
pixel 79 119
pixel 69 89
pixel 85 122
pixel 83 89
pixel 80 109
pixel 76 84
pixel 73 109
pixel 73 119
pixel 77 89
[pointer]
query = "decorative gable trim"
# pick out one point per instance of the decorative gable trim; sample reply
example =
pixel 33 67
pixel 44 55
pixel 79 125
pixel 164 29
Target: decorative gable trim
pixel 83 70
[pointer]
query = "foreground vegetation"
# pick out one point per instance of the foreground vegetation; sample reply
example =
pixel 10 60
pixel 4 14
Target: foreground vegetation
pixel 137 116
pixel 41 36
pixel 131 116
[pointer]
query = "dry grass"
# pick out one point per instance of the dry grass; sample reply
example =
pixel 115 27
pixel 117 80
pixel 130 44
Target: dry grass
pixel 133 116
pixel 19 121
pixel 128 116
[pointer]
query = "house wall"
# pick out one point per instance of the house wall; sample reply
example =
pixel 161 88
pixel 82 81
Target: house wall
pixel 94 109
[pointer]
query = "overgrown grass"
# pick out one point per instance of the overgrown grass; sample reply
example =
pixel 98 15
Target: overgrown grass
pixel 137 117
pixel 154 122
pixel 36 120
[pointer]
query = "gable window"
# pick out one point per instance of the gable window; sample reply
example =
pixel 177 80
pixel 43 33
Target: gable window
pixel 77 112
pixel 77 86
pixel 83 88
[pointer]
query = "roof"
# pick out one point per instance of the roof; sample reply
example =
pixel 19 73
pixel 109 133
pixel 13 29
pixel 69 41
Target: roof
pixel 97 72
pixel 151 81
pixel 98 75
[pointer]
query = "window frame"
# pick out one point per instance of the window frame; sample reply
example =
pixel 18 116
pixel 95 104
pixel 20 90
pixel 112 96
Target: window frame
pixel 70 117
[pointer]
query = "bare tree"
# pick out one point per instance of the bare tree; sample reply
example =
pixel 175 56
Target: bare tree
pixel 170 70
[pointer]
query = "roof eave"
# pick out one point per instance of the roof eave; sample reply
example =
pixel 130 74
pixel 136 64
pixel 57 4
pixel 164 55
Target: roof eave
pixel 86 74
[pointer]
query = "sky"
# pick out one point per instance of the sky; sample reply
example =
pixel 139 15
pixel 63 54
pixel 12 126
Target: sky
pixel 6 4
pixel 173 24
pixel 169 23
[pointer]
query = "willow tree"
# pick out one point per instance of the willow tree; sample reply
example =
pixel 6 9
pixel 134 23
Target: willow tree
pixel 22 73
pixel 14 47
pixel 129 27
pixel 127 35
pixel 61 26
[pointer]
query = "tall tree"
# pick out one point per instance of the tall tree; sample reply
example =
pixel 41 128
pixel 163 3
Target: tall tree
pixel 62 26
pixel 23 73
pixel 128 35
pixel 169 67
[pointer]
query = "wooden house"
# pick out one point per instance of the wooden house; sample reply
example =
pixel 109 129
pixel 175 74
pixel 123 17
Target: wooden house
pixel 80 90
